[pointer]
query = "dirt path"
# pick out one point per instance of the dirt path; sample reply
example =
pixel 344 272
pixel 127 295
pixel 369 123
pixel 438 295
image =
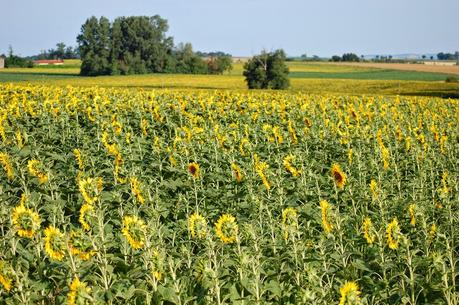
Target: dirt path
pixel 406 67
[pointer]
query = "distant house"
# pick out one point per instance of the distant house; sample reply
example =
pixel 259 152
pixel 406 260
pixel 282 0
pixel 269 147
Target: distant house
pixel 2 62
pixel 44 62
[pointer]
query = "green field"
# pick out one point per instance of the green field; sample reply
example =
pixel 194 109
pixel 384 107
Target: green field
pixel 319 78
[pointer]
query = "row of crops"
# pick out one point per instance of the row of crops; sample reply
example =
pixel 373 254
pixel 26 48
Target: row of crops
pixel 198 197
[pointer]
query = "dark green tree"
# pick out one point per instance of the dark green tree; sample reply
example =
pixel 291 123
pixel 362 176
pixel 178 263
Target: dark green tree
pixel 94 47
pixel 267 71
pixel 335 58
pixel 219 64
pixel 350 57
pixel 140 45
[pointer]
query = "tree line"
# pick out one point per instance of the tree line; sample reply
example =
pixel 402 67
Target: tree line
pixel 138 45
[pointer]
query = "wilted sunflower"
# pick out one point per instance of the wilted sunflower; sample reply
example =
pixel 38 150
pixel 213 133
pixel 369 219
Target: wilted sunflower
pixel 349 294
pixel 289 166
pixel 194 170
pixel 134 231
pixel 79 293
pixel 226 228
pixel 412 212
pixel 25 221
pixel 136 190
pixel 55 244
pixel 79 158
pixel 197 226
pixel 338 175
pixel 89 189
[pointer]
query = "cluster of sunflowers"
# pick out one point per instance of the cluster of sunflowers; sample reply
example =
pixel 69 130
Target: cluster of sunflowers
pixel 108 196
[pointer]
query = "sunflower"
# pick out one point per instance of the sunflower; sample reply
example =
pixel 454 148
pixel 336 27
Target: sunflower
pixel 260 168
pixel 78 157
pixel 289 221
pixel 85 211
pixel 366 228
pixel 374 188
pixel 226 228
pixel 237 172
pixel 79 293
pixel 194 170
pixel 392 233
pixel 134 231
pixel 197 226
pixel 55 243
pixel 349 294
pixel 5 162
pixel 324 207
pixel 80 245
pixel 89 189
pixel 5 282
pixel 338 175
pixel 136 191
pixel 289 166
pixel 33 167
pixel 412 212
pixel 25 221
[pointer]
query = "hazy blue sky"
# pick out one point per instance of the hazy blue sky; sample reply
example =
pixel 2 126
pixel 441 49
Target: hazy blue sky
pixel 244 27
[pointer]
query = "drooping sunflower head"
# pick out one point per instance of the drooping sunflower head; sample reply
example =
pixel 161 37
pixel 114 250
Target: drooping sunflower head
pixel 338 176
pixel 35 169
pixel 226 228
pixel 197 226
pixel 80 245
pixel 237 172
pixel 26 222
pixel 134 230
pixel 350 294
pixel 194 170
pixel 55 243
pixel 79 293
pixel 90 189
pixel 412 212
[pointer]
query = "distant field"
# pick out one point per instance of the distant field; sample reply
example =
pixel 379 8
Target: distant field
pixel 406 67
pixel 312 77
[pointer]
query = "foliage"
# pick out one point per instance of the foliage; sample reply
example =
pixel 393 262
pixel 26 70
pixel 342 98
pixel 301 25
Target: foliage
pixel 219 64
pixel 188 62
pixel 15 61
pixel 192 197
pixel 267 71
pixel 139 45
pixel 60 52
pixel 95 47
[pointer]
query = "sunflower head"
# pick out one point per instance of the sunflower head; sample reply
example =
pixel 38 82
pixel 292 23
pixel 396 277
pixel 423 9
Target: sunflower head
pixel 350 294
pixel 79 293
pixel 25 221
pixel 80 245
pixel 194 170
pixel 338 176
pixel 134 230
pixel 393 234
pixel 197 225
pixel 55 243
pixel 226 228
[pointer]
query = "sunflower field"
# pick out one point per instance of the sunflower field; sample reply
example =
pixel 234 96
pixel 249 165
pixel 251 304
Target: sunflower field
pixel 216 197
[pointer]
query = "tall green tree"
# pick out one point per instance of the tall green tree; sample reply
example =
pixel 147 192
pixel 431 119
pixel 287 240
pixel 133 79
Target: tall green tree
pixel 187 61
pixel 219 64
pixel 267 71
pixel 94 46
pixel 140 45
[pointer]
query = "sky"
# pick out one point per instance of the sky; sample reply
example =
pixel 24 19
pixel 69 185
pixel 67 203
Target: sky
pixel 245 27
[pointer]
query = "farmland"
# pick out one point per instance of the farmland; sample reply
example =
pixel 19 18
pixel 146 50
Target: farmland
pixel 186 196
pixel 316 78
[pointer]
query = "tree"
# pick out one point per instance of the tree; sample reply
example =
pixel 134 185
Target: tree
pixel 267 71
pixel 188 62
pixel 350 57
pixel 140 45
pixel 219 64
pixel 336 58
pixel 94 47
